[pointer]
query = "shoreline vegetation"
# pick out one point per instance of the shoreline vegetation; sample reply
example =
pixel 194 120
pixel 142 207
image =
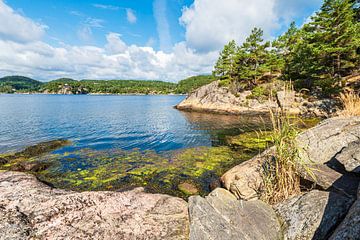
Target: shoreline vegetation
pixel 67 86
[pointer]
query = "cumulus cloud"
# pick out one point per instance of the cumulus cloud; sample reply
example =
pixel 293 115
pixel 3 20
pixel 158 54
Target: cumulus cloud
pixel 130 15
pixel 211 23
pixel 16 27
pixel 208 24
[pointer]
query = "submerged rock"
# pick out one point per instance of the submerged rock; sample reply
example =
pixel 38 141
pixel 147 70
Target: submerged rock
pixel 313 215
pixel 221 216
pixel 35 150
pixel 31 210
pixel 188 188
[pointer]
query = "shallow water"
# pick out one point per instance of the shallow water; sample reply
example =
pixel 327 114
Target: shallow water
pixel 126 141
pixel 107 122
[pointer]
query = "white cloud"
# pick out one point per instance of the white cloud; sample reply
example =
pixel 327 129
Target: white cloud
pixel 16 27
pixel 130 16
pixel 107 7
pixel 162 24
pixel 85 31
pixel 211 23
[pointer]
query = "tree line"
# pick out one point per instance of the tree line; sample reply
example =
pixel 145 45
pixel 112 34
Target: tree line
pixel 18 84
pixel 316 55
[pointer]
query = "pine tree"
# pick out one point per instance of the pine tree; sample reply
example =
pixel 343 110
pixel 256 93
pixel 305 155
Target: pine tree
pixel 251 58
pixel 224 67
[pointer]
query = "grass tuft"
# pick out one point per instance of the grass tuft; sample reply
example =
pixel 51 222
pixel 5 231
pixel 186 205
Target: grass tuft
pixel 351 104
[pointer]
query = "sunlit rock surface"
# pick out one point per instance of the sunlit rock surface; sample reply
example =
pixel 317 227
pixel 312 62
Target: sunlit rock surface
pixel 31 210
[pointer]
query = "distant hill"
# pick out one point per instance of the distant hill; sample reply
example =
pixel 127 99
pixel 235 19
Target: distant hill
pixel 190 84
pixel 19 83
pixel 13 84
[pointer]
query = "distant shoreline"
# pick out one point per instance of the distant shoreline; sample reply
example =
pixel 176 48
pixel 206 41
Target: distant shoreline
pixel 97 94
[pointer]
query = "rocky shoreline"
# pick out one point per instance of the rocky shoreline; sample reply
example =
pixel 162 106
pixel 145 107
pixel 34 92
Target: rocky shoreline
pixel 214 98
pixel 329 209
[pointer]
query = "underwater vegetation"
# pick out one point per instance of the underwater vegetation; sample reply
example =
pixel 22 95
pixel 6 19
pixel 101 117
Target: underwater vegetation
pixel 180 173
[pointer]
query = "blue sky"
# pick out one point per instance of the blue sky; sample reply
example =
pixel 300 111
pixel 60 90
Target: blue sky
pixel 132 39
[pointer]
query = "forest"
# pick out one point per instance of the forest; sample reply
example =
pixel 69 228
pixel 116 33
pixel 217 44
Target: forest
pixel 22 84
pixel 317 56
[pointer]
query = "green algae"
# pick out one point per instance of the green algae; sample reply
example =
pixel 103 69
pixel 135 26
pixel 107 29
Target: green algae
pixel 116 169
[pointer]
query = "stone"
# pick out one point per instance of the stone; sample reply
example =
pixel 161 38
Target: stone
pixel 349 157
pixel 221 216
pixel 312 215
pixel 350 226
pixel 188 188
pixel 31 208
pixel 323 142
pixel 217 99
pixel 245 180
pixel 327 178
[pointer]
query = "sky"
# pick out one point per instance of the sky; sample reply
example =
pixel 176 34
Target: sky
pixel 132 39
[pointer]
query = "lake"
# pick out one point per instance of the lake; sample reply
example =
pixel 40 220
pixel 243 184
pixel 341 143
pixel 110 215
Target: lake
pixel 105 122
pixel 124 141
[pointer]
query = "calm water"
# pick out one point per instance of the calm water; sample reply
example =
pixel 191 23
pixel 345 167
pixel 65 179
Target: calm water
pixel 108 122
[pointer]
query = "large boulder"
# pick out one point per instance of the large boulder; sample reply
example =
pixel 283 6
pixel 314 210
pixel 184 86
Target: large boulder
pixel 245 180
pixel 214 98
pixel 31 210
pixel 312 215
pixel 323 142
pixel 221 216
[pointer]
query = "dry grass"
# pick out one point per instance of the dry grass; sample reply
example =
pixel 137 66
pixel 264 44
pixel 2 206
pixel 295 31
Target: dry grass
pixel 351 104
pixel 280 176
pixel 281 173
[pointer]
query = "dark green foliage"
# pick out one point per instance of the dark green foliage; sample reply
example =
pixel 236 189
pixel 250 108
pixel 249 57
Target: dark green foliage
pixel 190 84
pixel 316 56
pixel 112 86
pixel 225 66
pixel 23 84
pixel 18 83
pixel 326 49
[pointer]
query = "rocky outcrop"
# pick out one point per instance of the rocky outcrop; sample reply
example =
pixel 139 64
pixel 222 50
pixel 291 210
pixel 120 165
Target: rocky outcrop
pixel 332 136
pixel 331 149
pixel 221 216
pixel 217 99
pixel 214 98
pixel 313 215
pixel 31 210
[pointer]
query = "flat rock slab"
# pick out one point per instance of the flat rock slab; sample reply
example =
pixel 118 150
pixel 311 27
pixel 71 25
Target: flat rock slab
pixel 313 215
pixel 221 216
pixel 329 179
pixel 31 210
pixel 323 142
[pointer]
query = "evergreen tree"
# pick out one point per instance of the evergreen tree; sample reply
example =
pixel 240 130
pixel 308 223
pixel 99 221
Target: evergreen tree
pixel 251 58
pixel 225 65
